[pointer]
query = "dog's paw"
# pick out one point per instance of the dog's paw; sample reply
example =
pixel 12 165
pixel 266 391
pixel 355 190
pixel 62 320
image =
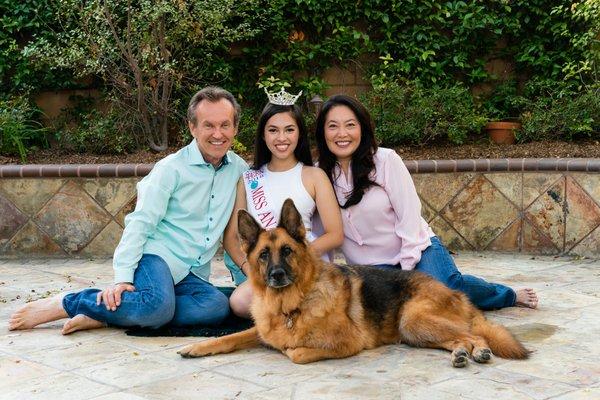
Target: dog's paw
pixel 482 354
pixel 459 358
pixel 296 355
pixel 193 351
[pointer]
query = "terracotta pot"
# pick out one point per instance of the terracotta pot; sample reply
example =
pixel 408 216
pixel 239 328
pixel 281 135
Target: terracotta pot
pixel 502 132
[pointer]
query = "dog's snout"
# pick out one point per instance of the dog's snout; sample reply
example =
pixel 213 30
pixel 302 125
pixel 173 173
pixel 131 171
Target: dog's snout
pixel 278 277
pixel 277 274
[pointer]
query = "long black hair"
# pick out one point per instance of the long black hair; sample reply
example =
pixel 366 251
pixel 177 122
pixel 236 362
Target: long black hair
pixel 262 154
pixel 362 159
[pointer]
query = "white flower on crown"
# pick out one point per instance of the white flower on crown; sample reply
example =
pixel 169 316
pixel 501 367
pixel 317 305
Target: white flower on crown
pixel 282 98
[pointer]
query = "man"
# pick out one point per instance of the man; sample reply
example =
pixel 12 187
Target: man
pixel 162 263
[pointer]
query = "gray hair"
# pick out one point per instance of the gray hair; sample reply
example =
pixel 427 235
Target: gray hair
pixel 213 94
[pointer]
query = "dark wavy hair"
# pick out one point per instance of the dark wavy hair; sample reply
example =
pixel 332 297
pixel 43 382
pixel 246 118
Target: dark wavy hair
pixel 362 159
pixel 262 154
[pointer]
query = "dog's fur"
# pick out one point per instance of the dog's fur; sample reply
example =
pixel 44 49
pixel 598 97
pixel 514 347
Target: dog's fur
pixel 312 310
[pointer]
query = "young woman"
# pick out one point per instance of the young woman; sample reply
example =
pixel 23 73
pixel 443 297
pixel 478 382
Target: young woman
pixel 381 211
pixel 283 169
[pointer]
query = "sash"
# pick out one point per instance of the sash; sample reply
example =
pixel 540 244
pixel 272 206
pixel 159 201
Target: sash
pixel 257 192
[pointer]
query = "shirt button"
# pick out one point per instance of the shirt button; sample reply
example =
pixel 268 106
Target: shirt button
pixel 212 196
pixel 210 218
pixel 207 239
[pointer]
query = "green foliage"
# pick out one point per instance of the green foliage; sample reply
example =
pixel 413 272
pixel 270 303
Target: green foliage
pixel 247 128
pixel 557 115
pixel 91 131
pixel 504 103
pixel 411 114
pixel 19 131
pixel 20 22
pixel 144 51
pixel 151 56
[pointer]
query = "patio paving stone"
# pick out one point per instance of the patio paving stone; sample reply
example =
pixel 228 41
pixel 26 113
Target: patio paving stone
pixel 106 364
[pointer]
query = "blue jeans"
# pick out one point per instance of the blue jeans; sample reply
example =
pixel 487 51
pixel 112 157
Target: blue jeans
pixel 437 262
pixel 156 301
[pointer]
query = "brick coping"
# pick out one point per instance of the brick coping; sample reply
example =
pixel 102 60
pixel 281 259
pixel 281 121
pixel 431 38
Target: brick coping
pixel 414 166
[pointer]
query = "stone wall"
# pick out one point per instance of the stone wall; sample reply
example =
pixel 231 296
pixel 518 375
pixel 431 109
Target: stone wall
pixel 543 206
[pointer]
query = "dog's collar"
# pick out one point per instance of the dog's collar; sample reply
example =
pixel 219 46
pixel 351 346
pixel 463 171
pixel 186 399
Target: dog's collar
pixel 290 316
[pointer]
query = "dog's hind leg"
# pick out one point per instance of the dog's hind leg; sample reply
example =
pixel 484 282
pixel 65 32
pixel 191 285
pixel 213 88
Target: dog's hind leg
pixel 225 344
pixel 421 329
pixel 481 350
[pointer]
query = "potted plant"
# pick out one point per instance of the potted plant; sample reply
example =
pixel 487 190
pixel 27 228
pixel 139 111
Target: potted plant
pixel 502 109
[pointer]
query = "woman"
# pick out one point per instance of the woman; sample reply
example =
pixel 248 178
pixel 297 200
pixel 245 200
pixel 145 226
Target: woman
pixel 381 211
pixel 283 169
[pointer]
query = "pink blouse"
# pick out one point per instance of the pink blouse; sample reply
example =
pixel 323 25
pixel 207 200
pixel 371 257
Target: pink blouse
pixel 386 227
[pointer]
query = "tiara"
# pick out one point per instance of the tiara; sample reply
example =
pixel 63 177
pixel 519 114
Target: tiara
pixel 282 98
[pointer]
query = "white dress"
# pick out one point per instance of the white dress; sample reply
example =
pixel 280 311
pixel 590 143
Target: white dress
pixel 274 189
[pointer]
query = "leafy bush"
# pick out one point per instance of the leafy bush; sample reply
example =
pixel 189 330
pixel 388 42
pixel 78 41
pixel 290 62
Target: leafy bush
pixel 20 22
pixel 504 103
pixel 97 132
pixel 411 114
pixel 19 131
pixel 559 116
pixel 152 55
pixel 248 126
pixel 144 51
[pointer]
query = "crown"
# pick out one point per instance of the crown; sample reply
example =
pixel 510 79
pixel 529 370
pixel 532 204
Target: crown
pixel 282 98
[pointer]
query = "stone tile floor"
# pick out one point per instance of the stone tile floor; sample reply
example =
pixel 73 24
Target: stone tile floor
pixel 107 364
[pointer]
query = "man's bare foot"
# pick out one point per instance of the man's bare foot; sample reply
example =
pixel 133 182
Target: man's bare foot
pixel 526 298
pixel 38 312
pixel 81 322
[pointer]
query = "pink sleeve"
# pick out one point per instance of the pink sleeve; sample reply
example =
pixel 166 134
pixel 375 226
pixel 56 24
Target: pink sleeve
pixel 406 204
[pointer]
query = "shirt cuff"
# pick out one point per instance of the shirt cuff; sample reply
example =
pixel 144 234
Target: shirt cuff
pixel 124 275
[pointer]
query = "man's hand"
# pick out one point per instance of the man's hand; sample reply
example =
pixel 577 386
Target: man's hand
pixel 111 296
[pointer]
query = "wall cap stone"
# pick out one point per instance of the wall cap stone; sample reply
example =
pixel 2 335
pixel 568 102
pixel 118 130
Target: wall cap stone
pixel 414 166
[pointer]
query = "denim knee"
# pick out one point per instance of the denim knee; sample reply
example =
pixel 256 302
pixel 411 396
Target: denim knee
pixel 454 281
pixel 219 310
pixel 222 308
pixel 153 311
pixel 209 310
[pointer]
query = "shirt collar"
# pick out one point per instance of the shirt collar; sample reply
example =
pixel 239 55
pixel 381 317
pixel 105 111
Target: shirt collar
pixel 341 180
pixel 195 156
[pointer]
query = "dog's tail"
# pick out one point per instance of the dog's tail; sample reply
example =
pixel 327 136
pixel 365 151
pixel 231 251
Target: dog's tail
pixel 501 341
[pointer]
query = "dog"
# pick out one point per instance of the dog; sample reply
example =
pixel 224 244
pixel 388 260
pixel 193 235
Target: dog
pixel 312 310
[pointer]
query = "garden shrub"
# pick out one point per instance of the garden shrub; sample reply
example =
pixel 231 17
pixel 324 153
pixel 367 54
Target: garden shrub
pixel 20 132
pixel 97 132
pixel 504 103
pixel 145 51
pixel 411 114
pixel 178 47
pixel 560 116
pixel 20 23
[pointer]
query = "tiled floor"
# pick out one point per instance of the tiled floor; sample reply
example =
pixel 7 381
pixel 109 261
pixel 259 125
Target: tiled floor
pixel 107 364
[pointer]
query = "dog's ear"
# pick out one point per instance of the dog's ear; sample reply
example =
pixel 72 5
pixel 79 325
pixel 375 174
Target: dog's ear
pixel 248 230
pixel 291 221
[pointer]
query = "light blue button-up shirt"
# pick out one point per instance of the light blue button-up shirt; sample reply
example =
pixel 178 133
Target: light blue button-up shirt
pixel 182 209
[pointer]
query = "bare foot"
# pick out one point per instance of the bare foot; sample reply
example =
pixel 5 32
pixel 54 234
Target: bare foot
pixel 526 298
pixel 81 322
pixel 38 312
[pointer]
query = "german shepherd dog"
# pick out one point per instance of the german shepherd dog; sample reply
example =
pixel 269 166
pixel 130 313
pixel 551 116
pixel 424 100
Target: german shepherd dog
pixel 313 310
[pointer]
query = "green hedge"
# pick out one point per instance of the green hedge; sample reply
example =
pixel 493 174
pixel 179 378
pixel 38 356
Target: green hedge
pixel 438 46
pixel 412 114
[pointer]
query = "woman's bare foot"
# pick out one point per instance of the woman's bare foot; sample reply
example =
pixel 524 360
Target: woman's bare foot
pixel 38 312
pixel 526 298
pixel 81 322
